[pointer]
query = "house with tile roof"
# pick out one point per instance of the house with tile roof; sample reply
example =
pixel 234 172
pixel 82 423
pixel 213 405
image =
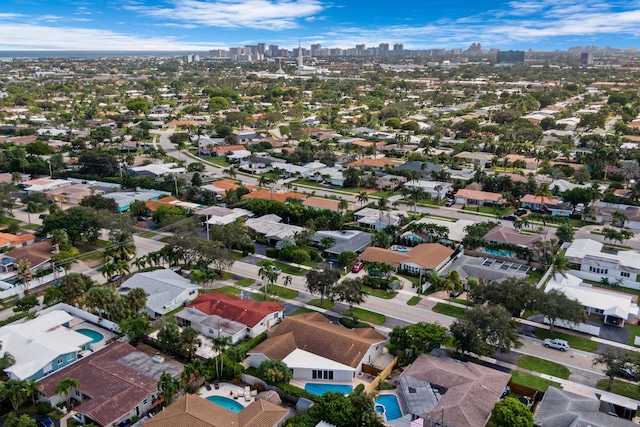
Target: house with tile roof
pixel 316 349
pixel 116 384
pixel 274 195
pixel 478 198
pixel 166 290
pixel 37 254
pixel 8 240
pixel 322 203
pixel 421 258
pixel 464 394
pixel 378 164
pixel 194 411
pixel 220 315
pixel 42 345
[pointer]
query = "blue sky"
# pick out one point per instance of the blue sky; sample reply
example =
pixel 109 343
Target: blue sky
pixel 199 25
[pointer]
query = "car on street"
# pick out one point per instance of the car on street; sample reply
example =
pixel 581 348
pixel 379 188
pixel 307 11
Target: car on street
pixel 556 343
pixel 510 217
pixel 114 278
pixel 450 203
pixel 357 267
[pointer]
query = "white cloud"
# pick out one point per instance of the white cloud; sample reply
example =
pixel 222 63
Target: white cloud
pixel 271 15
pixel 10 16
pixel 35 37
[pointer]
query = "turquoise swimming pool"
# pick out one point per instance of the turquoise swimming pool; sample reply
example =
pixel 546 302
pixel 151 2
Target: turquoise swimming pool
pixel 320 389
pixel 388 405
pixel 94 335
pixel 226 403
pixel 498 252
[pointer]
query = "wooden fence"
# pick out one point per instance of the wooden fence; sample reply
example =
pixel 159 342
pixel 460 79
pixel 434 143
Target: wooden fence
pixel 381 376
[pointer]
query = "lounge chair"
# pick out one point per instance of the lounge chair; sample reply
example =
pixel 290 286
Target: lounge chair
pixel 207 385
pixel 216 385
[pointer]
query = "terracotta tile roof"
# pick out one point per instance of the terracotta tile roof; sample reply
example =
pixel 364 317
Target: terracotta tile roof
pixel 36 253
pixel 247 312
pixel 268 195
pixel 374 163
pixel 532 198
pixel 12 239
pixel 368 144
pixel 426 255
pixel 509 235
pixel 314 333
pixel 194 411
pixel 479 195
pixel 114 388
pixel 226 148
pixel 153 205
pixel 321 203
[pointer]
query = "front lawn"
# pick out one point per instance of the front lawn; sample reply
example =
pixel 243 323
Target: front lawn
pixel 543 366
pixel 302 310
pixel 279 291
pixel 326 304
pixel 532 381
pixel 286 268
pixel 488 210
pixel 448 310
pixel 576 342
pixel 366 316
pixel 228 290
pixel 245 282
pixel 148 234
pixel 635 330
pixel 414 300
pixel 380 293
pixel 535 276
pixel 622 388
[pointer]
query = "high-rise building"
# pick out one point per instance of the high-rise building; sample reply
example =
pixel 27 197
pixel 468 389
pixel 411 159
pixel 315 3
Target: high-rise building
pixel 586 58
pixel 315 49
pixel 510 57
pixel 274 51
pixel 261 49
pixel 398 49
pixel 360 48
pixel 383 49
pixel 218 53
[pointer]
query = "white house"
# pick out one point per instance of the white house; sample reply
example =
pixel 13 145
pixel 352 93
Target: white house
pixel 271 227
pixel 620 268
pixel 614 307
pixel 316 349
pixel 376 219
pixel 166 290
pixel 430 187
pixel 42 345
pixel 218 315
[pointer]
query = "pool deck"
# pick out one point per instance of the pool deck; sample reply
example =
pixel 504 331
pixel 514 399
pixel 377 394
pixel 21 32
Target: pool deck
pixel 302 383
pixel 78 323
pixel 227 390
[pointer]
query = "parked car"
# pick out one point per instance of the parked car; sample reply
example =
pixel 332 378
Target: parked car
pixel 46 422
pixel 450 203
pixel 510 217
pixel 358 266
pixel 556 343
pixel 114 278
pixel 521 211
pixel 43 216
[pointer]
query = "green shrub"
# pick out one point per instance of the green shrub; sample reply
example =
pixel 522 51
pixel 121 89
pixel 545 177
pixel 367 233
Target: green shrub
pixel 297 392
pixel 273 253
pixel 314 255
pixel 44 408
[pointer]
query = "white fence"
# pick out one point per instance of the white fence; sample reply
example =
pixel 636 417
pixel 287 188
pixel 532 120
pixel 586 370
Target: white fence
pixel 77 312
pixel 580 327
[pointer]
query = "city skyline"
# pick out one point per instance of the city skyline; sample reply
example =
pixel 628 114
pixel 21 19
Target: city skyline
pixel 199 25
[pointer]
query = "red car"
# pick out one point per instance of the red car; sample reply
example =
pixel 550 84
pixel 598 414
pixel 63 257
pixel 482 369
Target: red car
pixel 359 266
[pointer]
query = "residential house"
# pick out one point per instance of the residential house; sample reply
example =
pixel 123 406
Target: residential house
pixel 8 240
pixel 478 198
pixel 125 198
pixel 37 254
pixel 614 307
pixel 345 240
pixel 117 383
pixel 41 185
pixel 42 345
pixel 166 290
pixel 278 196
pixel 376 219
pixel 314 348
pixel 419 259
pixel 424 168
pixel 561 408
pixel 271 227
pixel 605 210
pixel 221 187
pixel 226 150
pixel 218 315
pixel 537 203
pixel 72 194
pixel 322 203
pixel 476 158
pixel 377 164
pixel 435 189
pixel 194 411
pixel 502 234
pixel 618 267
pixel 215 215
pixel 153 205
pixel 530 163
pixel 386 182
pixel 156 169
pixel 448 392
pixel 456 229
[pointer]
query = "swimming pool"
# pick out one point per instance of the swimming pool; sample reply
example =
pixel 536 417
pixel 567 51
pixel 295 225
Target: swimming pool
pixel 320 389
pixel 94 335
pixel 391 406
pixel 226 403
pixel 498 252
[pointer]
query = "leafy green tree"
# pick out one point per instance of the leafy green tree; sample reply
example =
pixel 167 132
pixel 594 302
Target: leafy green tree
pixel 23 420
pixel 555 305
pixel 169 386
pixel 514 294
pixel 274 372
pixel 53 295
pixel 15 391
pixel 565 232
pixel 99 202
pixel 190 341
pixel 168 336
pixel 485 330
pixel 165 211
pixel 348 259
pixel 137 105
pixel 25 304
pixel 65 386
pixel 410 341
pixel 322 282
pixel 135 327
pixel 350 292
pixel 138 208
pixel 73 286
pixel 78 222
pixel 510 412
pixel 615 361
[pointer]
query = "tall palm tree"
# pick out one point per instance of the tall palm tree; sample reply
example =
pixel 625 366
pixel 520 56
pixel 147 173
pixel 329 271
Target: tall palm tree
pixel 343 205
pixel 107 270
pixel 24 274
pixel 453 283
pixel 169 387
pixel 15 390
pixel 268 274
pixel 31 388
pixel 220 345
pixel 122 267
pixel 286 280
pixel 121 248
pixel 138 298
pixel 230 172
pixel 65 386
pixel 362 197
pixel 140 262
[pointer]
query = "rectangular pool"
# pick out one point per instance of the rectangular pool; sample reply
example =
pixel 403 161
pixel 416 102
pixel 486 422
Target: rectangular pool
pixel 320 388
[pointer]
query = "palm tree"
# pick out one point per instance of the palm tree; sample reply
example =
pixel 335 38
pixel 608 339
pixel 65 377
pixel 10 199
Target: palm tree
pixel 415 194
pixel 169 386
pixel 286 280
pixel 122 267
pixel 140 262
pixel 559 265
pixel 453 283
pixel 438 188
pixel 137 298
pixel 15 390
pixel 268 274
pixel 230 172
pixel 220 345
pixel 190 341
pixel 6 359
pixel 107 270
pixel 343 205
pixel 65 386
pixel 31 388
pixel 362 197
pixel 59 237
pixel 24 274
pixel 122 247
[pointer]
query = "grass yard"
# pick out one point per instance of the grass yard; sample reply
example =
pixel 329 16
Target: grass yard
pixel 366 316
pixel 326 304
pixel 576 342
pixel 165 239
pixel 286 268
pixel 245 282
pixel 380 293
pixel 543 366
pixel 533 381
pixel 237 256
pixel 461 301
pixel 535 276
pixel 279 291
pixel 489 210
pixel 414 300
pixel 218 161
pixel 308 183
pixel 302 310
pixel 444 218
pixel 622 388
pixel 148 234
pixel 228 290
pixel 635 330
pixel 414 280
pixel 448 310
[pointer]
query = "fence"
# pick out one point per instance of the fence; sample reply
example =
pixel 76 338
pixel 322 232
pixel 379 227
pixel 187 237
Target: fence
pixel 370 369
pixel 381 376
pixel 75 311
pixel 580 327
